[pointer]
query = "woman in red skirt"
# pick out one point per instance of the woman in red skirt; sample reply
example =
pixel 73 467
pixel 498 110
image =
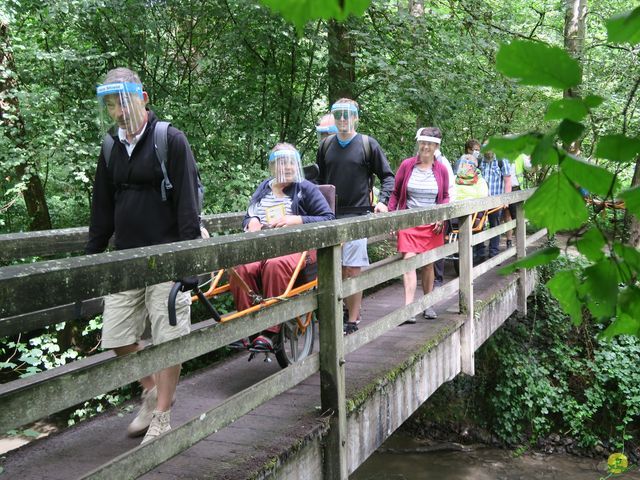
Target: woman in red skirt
pixel 421 181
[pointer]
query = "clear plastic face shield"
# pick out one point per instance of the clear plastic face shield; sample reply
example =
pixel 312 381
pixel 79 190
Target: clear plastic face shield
pixel 346 117
pixel 123 104
pixel 427 145
pixel 285 166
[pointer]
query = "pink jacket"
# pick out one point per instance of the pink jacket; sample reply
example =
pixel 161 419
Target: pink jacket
pixel 398 200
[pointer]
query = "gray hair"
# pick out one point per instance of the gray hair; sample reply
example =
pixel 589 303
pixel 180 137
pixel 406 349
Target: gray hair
pixel 122 74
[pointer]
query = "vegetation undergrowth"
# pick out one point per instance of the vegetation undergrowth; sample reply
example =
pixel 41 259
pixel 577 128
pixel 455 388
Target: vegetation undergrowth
pixel 542 383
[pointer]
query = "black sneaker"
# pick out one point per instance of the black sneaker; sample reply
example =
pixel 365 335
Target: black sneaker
pixel 509 244
pixel 349 328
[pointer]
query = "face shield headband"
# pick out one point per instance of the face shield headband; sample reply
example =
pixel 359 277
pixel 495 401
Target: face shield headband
pixel 285 166
pixel 325 131
pixel 122 103
pixel 346 116
pixel 427 138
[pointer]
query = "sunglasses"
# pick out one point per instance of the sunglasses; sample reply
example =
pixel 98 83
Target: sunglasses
pixel 341 114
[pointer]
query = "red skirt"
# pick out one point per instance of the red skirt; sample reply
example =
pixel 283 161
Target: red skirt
pixel 419 239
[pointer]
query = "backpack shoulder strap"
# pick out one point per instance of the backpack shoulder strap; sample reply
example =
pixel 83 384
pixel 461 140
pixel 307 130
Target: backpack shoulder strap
pixel 366 144
pixel 325 144
pixel 160 143
pixel 107 148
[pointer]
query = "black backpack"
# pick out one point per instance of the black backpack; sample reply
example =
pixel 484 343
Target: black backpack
pixel 161 146
pixel 324 146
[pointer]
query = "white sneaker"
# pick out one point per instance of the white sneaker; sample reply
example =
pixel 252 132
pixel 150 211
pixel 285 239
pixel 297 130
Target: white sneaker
pixel 140 424
pixel 160 423
pixel 430 314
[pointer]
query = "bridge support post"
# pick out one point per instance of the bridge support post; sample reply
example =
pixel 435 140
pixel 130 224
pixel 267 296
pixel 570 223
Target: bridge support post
pixel 468 330
pixel 521 252
pixel 332 386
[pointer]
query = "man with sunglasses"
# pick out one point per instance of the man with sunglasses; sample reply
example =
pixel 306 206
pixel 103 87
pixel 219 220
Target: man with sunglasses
pixel 134 201
pixel 349 160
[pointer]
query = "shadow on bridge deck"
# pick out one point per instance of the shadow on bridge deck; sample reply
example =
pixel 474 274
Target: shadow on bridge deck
pixel 261 441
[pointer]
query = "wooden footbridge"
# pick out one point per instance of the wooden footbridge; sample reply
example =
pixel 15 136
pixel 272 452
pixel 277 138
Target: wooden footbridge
pixel 318 418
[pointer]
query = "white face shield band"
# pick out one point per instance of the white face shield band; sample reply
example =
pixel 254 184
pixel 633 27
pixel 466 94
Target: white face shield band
pixel 346 117
pixel 285 166
pixel 427 138
pixel 123 104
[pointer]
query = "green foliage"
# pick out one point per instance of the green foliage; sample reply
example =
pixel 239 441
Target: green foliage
pixel 540 257
pixel 625 27
pixel 300 12
pixel 534 63
pixel 603 283
pixel 552 378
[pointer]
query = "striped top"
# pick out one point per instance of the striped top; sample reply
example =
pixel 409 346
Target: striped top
pixel 422 188
pixel 270 208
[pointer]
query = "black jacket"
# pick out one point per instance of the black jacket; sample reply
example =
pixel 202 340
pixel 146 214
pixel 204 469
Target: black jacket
pixel 127 199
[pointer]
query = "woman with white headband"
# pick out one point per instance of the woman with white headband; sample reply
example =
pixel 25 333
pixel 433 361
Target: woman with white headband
pixel 420 181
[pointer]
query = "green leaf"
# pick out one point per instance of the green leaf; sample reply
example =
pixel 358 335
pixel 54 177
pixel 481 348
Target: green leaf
pixel 631 199
pixel 591 244
pixel 557 205
pixel 624 27
pixel 534 63
pixel 593 101
pixel 618 148
pixel 627 321
pixel 571 108
pixel 594 178
pixel 564 286
pixel 544 153
pixel 299 12
pixel 30 433
pixel 511 146
pixel 569 130
pixel 540 257
pixel 629 264
pixel 601 286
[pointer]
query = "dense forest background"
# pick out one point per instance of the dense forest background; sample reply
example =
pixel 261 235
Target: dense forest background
pixel 237 79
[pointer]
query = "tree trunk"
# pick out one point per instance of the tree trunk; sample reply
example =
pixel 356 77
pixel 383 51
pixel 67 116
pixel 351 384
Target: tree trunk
pixel 574 33
pixel 13 126
pixel 631 220
pixel 341 66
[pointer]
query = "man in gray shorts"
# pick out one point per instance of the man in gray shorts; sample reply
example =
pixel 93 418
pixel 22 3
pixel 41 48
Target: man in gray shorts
pixel 349 160
pixel 133 200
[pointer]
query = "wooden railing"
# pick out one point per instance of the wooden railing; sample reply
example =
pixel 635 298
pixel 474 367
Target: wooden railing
pixel 45 285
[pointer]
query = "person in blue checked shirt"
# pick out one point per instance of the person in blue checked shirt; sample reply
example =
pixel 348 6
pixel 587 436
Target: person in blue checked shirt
pixel 498 176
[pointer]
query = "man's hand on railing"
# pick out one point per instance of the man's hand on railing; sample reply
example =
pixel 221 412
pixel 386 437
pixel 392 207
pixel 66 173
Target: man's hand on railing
pixel 381 208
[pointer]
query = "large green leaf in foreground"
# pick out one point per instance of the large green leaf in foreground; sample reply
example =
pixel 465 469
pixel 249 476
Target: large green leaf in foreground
pixel 564 286
pixel 557 205
pixel 300 12
pixel 534 63
pixel 625 27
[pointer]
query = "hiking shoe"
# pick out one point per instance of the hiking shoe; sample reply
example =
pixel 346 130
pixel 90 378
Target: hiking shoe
pixel 509 243
pixel 350 327
pixel 241 344
pixel 409 321
pixel 160 423
pixel 262 343
pixel 430 313
pixel 140 424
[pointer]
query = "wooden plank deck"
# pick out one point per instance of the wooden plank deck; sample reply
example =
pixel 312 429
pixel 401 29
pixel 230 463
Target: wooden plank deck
pixel 253 441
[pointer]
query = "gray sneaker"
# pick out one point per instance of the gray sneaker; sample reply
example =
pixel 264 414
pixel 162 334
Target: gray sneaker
pixel 430 313
pixel 140 424
pixel 160 423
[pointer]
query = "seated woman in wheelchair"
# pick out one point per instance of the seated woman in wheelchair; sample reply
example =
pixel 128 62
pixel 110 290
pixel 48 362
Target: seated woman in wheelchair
pixel 284 199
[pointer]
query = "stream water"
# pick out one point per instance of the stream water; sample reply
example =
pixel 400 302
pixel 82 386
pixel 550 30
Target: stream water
pixel 403 458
